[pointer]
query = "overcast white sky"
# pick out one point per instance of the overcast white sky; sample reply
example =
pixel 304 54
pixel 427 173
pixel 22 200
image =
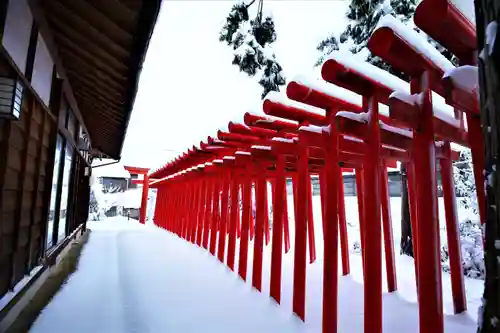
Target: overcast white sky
pixel 188 87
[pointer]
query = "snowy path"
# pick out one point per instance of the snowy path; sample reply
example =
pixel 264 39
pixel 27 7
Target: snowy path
pixel 135 278
pixel 139 279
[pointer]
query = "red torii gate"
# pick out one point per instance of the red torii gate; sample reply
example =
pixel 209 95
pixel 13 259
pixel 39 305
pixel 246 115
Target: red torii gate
pixel 145 189
pixel 198 192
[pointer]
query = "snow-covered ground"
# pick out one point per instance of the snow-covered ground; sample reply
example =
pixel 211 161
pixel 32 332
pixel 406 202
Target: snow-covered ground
pixel 135 278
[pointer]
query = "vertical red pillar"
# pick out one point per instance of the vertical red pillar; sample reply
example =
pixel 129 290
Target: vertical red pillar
pixel 322 190
pixel 233 220
pixel 196 206
pixel 428 260
pixel 373 228
pixel 452 232
pixel 412 201
pixel 201 210
pixel 387 229
pixel 215 214
pixel 310 223
pixel 144 199
pixel 344 244
pixel 279 195
pixel 245 226
pixel 208 212
pixel 361 212
pixel 330 266
pixel 286 223
pixel 300 261
pixel 224 217
pixel 267 231
pixel 260 201
pixel 252 205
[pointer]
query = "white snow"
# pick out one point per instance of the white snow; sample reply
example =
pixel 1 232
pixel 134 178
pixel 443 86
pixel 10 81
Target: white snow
pixel 312 128
pixel 390 81
pixel 261 147
pixel 491 36
pixel 359 117
pixel 279 139
pixel 441 111
pixel 228 158
pixel 115 170
pixel 329 89
pixel 125 283
pixel 242 153
pixel 397 130
pixel 217 161
pixel 277 97
pixel 380 76
pixel 337 92
pixel 466 7
pixel 464 77
pixel 417 41
pixel 351 138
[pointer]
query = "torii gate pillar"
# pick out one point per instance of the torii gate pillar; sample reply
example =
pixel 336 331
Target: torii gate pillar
pixel 145 189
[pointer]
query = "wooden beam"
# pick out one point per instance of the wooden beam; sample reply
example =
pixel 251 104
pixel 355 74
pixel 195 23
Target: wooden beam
pixel 100 111
pixel 82 43
pixel 101 84
pixel 88 95
pixel 87 57
pixel 71 19
pixel 106 17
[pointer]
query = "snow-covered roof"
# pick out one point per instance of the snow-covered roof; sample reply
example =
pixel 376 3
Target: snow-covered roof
pixel 115 170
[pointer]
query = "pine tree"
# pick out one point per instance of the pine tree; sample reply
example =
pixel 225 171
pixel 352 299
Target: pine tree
pixel 465 186
pixel 250 41
pixel 364 16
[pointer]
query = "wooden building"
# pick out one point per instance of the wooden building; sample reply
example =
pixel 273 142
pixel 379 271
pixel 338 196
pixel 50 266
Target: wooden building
pixel 68 78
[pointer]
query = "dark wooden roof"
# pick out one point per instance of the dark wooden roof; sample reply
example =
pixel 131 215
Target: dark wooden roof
pixel 102 44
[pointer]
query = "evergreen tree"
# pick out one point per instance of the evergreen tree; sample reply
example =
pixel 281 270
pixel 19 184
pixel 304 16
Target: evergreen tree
pixel 250 41
pixel 364 16
pixel 465 186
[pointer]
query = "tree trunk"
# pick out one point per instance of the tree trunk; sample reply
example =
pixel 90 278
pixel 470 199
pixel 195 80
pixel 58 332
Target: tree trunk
pixel 488 11
pixel 406 240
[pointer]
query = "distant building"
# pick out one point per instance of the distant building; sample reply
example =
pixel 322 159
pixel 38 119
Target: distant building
pixel 114 177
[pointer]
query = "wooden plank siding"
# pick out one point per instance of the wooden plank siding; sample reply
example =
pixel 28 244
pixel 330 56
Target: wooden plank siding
pixel 26 147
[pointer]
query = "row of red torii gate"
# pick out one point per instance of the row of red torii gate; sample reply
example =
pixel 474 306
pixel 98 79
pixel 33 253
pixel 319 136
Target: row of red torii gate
pixel 360 118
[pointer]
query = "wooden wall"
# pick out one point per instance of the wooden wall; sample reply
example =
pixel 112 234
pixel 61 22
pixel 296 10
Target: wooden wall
pixel 26 162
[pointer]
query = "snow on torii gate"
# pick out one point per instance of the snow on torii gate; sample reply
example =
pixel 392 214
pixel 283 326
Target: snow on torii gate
pixel 198 192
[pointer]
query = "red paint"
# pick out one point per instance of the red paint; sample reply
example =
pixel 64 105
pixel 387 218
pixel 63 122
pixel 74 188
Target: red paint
pixel 330 266
pixel 428 259
pixel 452 233
pixel 299 264
pixel 286 223
pixel 279 202
pixel 233 220
pixel 215 215
pixel 245 226
pixel 224 217
pixel 344 244
pixel 260 203
pixel 310 223
pixel 387 229
pixel 372 224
